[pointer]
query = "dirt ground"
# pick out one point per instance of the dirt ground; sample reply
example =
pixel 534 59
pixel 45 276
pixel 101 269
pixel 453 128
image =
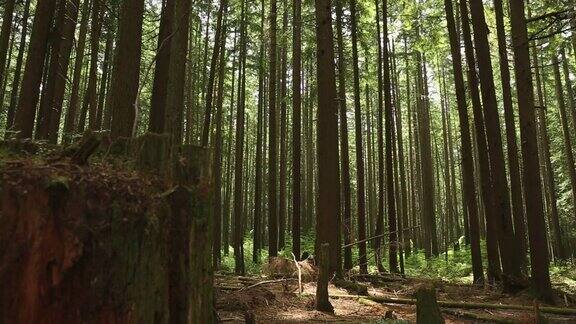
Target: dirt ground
pixel 278 301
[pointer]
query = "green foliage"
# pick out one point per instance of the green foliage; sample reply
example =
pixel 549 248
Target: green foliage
pixel 456 268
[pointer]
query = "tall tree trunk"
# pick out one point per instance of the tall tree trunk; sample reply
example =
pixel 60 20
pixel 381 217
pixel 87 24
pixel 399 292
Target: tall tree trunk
pixel 548 175
pixel 70 120
pixel 568 152
pixel 210 86
pixel 226 220
pixel 532 186
pixel 90 105
pixel 502 218
pixel 572 105
pixel 283 122
pixel 126 71
pixel 380 136
pixel 427 210
pixel 218 203
pixel 160 83
pixel 105 81
pixel 5 33
pixel 403 203
pixel 239 160
pixel 272 142
pixel 328 210
pixel 53 73
pixel 392 219
pixel 467 160
pixel 494 270
pixel 512 146
pixel 360 167
pixel 35 62
pixel 18 69
pixel 296 122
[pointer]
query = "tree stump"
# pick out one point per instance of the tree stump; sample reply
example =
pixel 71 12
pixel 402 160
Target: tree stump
pixel 427 310
pixel 153 154
pixel 322 301
pixel 192 170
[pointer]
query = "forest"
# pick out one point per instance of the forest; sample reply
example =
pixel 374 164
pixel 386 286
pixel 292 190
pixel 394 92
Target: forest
pixel 350 161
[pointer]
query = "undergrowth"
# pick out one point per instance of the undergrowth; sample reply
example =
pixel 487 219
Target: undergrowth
pixel 456 267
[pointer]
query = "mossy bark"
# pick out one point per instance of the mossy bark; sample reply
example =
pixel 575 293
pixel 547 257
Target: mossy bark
pixel 427 310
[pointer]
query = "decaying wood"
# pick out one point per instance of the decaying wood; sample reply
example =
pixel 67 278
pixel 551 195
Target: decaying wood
pixel 427 309
pixel 266 282
pixel 463 305
pixel 375 278
pixel 80 152
pixel 476 316
pixel 351 286
pixel 299 274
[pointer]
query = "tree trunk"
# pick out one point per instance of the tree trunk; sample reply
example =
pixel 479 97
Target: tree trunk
pixel 392 217
pixel 239 160
pixel 283 122
pixel 105 81
pixel 494 270
pixel 380 140
pixel 296 123
pixel 5 33
pixel 328 211
pixel 549 183
pixel 212 75
pixel 160 83
pixel 510 256
pixel 512 146
pixel 466 147
pixel 427 210
pixel 568 152
pixel 532 186
pixel 272 142
pixel 70 120
pixel 18 69
pixel 53 73
pixel 37 51
pixel 218 203
pixel 90 105
pixel 177 72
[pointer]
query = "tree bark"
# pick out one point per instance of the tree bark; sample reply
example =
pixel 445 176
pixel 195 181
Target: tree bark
pixel 283 121
pixel 512 146
pixel 210 87
pixel 494 270
pixel 380 140
pixel 392 215
pixel 18 69
pixel 466 147
pixel 328 210
pixel 35 62
pixel 296 123
pixel 161 70
pixel 239 152
pixel 509 251
pixel 532 186
pixel 5 33
pixel 70 120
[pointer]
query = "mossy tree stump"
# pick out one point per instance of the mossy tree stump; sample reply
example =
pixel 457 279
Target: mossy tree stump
pixel 427 309
pixel 192 170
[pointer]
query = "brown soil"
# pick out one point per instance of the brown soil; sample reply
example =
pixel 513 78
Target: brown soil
pixel 279 302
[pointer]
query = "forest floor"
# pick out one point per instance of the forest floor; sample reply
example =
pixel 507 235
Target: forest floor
pixel 280 302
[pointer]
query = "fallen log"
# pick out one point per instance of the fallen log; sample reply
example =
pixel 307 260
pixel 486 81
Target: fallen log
pixel 476 316
pixel 464 305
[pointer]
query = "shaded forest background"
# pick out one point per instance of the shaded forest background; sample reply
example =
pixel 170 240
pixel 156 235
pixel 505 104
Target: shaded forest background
pixel 386 128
